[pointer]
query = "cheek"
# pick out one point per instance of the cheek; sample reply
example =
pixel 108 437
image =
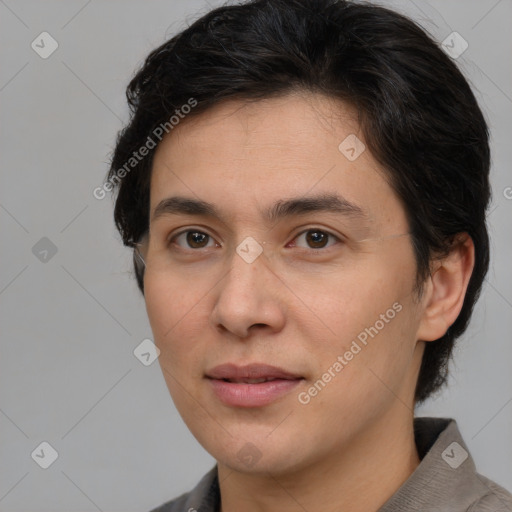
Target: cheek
pixel 368 313
pixel 375 359
pixel 348 300
pixel 176 313
pixel 171 299
pixel 161 305
pixel 178 321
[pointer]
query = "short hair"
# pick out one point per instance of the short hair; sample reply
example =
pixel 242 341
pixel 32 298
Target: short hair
pixel 418 115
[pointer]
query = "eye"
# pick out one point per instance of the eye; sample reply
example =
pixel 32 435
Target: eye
pixel 315 238
pixel 193 239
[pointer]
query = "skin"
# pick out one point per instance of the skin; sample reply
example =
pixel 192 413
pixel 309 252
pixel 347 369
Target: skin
pixel 352 445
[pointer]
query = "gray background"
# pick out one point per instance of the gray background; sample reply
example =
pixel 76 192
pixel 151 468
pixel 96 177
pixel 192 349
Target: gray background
pixel 70 324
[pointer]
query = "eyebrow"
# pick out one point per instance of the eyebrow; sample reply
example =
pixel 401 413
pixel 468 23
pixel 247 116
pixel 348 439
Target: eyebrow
pixel 334 203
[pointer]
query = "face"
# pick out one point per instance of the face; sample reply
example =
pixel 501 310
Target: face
pixel 270 246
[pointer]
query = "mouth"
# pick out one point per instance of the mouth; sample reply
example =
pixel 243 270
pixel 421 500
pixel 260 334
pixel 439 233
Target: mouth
pixel 254 385
pixel 252 381
pixel 250 372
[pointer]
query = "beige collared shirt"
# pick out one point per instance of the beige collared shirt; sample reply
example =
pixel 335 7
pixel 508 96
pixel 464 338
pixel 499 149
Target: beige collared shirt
pixel 445 481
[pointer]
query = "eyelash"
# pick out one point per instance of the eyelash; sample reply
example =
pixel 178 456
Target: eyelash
pixel 321 249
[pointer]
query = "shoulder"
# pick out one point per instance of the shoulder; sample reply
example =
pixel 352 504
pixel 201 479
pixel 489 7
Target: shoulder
pixel 446 478
pixel 204 496
pixel 495 498
pixel 175 505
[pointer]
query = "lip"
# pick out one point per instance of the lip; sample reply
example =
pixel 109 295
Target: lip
pixel 243 394
pixel 250 371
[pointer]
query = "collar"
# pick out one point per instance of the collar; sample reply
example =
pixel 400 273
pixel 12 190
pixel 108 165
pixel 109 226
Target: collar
pixel 446 478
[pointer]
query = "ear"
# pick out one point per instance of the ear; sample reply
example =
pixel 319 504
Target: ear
pixel 445 289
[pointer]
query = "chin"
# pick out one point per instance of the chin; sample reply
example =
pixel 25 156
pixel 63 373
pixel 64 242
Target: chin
pixel 258 455
pixel 275 464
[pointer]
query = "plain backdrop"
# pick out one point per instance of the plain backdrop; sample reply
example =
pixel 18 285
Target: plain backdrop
pixel 71 315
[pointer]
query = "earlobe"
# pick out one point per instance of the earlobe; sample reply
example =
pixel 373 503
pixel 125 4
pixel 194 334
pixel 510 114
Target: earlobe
pixel 446 289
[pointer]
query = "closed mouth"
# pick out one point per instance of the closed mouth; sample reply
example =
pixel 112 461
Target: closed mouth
pixel 255 381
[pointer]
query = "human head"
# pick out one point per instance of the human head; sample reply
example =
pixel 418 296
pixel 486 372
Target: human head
pixel 417 113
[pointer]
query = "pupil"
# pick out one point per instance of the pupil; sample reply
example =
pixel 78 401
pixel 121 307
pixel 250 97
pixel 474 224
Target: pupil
pixel 196 239
pixel 316 239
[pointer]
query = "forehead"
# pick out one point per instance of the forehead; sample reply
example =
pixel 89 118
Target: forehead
pixel 239 154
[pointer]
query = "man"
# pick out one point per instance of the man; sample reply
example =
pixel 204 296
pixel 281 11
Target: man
pixel 304 184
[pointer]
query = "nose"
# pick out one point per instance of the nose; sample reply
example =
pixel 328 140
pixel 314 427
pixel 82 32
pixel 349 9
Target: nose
pixel 249 298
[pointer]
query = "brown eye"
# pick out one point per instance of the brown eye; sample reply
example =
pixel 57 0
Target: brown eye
pixel 193 240
pixel 196 239
pixel 315 239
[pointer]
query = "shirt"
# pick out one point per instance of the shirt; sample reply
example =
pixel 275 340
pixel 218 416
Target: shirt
pixel 445 480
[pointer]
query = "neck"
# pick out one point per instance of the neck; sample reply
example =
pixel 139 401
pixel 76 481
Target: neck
pixel 359 477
